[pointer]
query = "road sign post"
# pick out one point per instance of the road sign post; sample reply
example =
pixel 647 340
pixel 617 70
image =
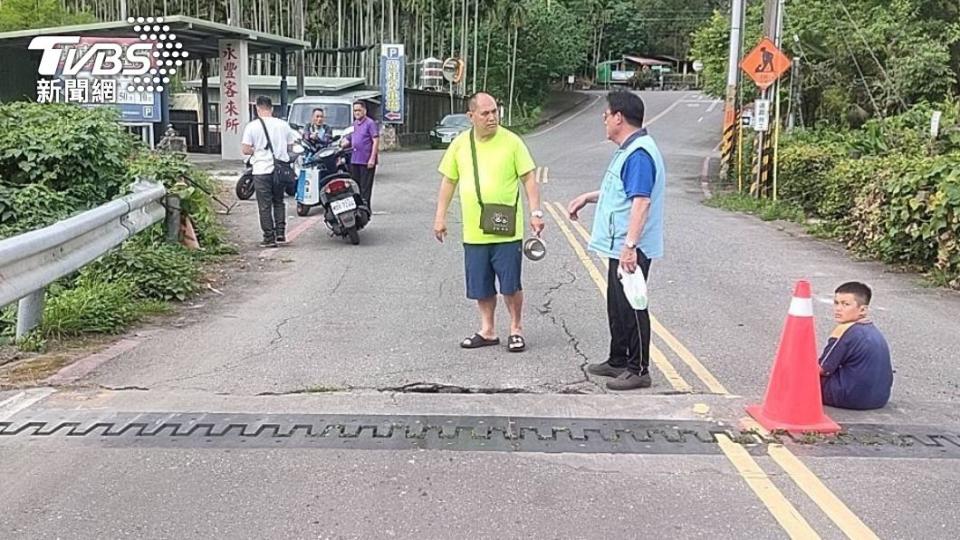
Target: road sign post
pixel 728 144
pixel 765 64
pixel 452 72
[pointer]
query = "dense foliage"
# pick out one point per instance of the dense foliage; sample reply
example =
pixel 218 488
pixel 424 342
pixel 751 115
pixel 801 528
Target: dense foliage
pixel 59 160
pixel 887 190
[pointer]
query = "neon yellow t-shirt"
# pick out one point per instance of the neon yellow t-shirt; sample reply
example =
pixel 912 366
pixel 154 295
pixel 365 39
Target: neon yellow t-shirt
pixel 501 160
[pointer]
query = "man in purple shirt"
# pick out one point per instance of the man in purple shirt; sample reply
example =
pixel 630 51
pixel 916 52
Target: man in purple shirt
pixel 365 141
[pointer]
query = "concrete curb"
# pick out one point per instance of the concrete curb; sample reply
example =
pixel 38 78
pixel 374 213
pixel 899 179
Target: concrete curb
pixel 583 98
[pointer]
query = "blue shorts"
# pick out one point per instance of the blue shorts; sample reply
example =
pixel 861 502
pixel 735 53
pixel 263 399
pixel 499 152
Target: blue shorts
pixel 485 262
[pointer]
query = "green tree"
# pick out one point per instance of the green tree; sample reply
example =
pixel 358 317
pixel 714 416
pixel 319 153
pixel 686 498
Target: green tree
pixel 28 14
pixel 859 58
pixel 551 42
pixel 711 45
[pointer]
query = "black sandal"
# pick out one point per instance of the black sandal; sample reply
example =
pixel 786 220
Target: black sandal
pixel 515 343
pixel 476 341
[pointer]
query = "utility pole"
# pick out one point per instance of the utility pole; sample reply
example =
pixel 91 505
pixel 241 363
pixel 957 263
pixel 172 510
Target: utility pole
pixel 771 19
pixel 393 35
pixel 796 97
pixel 476 37
pixel 771 29
pixel 733 78
pixel 301 55
pixel 464 49
pixel 778 40
pixel 340 36
pixel 233 15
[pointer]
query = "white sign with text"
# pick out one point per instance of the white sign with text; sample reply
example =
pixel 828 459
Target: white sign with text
pixel 234 97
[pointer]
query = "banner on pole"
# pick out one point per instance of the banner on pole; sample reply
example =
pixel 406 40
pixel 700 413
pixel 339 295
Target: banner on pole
pixel 392 64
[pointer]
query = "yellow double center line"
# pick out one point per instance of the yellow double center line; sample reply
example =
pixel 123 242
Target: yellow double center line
pixel 777 504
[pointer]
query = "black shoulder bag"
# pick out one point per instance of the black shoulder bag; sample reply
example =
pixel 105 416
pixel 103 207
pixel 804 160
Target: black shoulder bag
pixel 282 171
pixel 497 219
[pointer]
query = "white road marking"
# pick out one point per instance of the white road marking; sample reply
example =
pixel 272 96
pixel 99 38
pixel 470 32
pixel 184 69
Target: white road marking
pixel 11 406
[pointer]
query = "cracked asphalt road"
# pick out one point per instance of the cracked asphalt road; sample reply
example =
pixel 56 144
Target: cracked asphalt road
pixel 391 312
pixel 322 327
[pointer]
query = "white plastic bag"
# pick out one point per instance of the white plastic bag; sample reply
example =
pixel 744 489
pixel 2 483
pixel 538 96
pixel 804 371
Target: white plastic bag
pixel 635 288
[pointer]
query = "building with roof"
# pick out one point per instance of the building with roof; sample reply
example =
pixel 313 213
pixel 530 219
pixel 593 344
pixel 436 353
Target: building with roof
pixel 200 40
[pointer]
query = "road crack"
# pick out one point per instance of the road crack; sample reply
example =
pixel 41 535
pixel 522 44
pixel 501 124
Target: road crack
pixel 340 281
pixel 123 388
pixel 277 328
pixel 440 388
pixel 546 309
pixel 409 388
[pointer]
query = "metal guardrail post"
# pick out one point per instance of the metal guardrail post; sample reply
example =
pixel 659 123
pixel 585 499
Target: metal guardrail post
pixel 29 312
pixel 172 223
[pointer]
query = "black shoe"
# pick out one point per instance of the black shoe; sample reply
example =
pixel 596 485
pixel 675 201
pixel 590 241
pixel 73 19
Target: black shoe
pixel 268 243
pixel 630 381
pixel 605 369
pixel 281 239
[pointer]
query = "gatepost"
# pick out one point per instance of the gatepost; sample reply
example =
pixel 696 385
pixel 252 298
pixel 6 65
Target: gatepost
pixel 234 96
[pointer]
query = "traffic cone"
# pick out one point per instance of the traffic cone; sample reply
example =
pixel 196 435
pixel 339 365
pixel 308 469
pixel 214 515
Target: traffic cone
pixel 793 402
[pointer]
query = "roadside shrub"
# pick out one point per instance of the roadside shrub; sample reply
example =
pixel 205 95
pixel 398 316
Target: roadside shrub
pixel 842 183
pixel 886 190
pixel 806 169
pixel 32 207
pixel 76 151
pixel 8 319
pixel 91 307
pixel 57 160
pixel 765 209
pixel 156 271
pixel 192 185
pixel 911 215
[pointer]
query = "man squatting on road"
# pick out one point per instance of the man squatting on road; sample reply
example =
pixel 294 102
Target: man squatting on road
pixel 855 367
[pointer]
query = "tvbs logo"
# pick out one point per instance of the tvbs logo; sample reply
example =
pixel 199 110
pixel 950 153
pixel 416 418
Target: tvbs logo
pixel 64 55
pixel 155 53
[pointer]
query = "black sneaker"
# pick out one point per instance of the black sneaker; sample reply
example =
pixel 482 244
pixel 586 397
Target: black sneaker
pixel 630 381
pixel 281 239
pixel 268 243
pixel 605 369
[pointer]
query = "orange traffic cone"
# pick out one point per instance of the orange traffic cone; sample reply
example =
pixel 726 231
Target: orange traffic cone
pixel 793 401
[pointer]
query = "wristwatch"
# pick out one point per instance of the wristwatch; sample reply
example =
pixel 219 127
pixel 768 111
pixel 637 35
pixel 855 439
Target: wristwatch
pixel 630 245
pixel 537 214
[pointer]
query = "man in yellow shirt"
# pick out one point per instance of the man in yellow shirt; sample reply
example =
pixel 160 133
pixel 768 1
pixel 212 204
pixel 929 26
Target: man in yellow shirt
pixel 492 160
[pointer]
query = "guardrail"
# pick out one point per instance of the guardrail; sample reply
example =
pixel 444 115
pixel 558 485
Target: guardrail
pixel 31 261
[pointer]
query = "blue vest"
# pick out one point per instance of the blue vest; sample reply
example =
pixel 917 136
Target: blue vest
pixel 612 216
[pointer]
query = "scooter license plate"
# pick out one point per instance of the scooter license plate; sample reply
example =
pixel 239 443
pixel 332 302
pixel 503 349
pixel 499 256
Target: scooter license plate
pixel 343 205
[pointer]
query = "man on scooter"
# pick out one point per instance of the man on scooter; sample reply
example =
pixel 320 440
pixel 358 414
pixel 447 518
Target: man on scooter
pixel 318 131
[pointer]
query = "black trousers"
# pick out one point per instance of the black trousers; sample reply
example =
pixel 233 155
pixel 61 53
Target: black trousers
pixel 273 210
pixel 629 328
pixel 364 177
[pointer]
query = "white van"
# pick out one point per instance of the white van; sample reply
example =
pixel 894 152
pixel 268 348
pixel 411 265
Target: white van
pixel 338 110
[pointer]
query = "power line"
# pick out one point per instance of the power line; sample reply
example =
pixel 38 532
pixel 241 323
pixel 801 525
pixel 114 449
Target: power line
pixel 856 64
pixel 864 79
pixel 875 59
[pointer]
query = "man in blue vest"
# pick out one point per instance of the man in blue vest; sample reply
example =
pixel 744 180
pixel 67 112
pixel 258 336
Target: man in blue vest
pixel 628 230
